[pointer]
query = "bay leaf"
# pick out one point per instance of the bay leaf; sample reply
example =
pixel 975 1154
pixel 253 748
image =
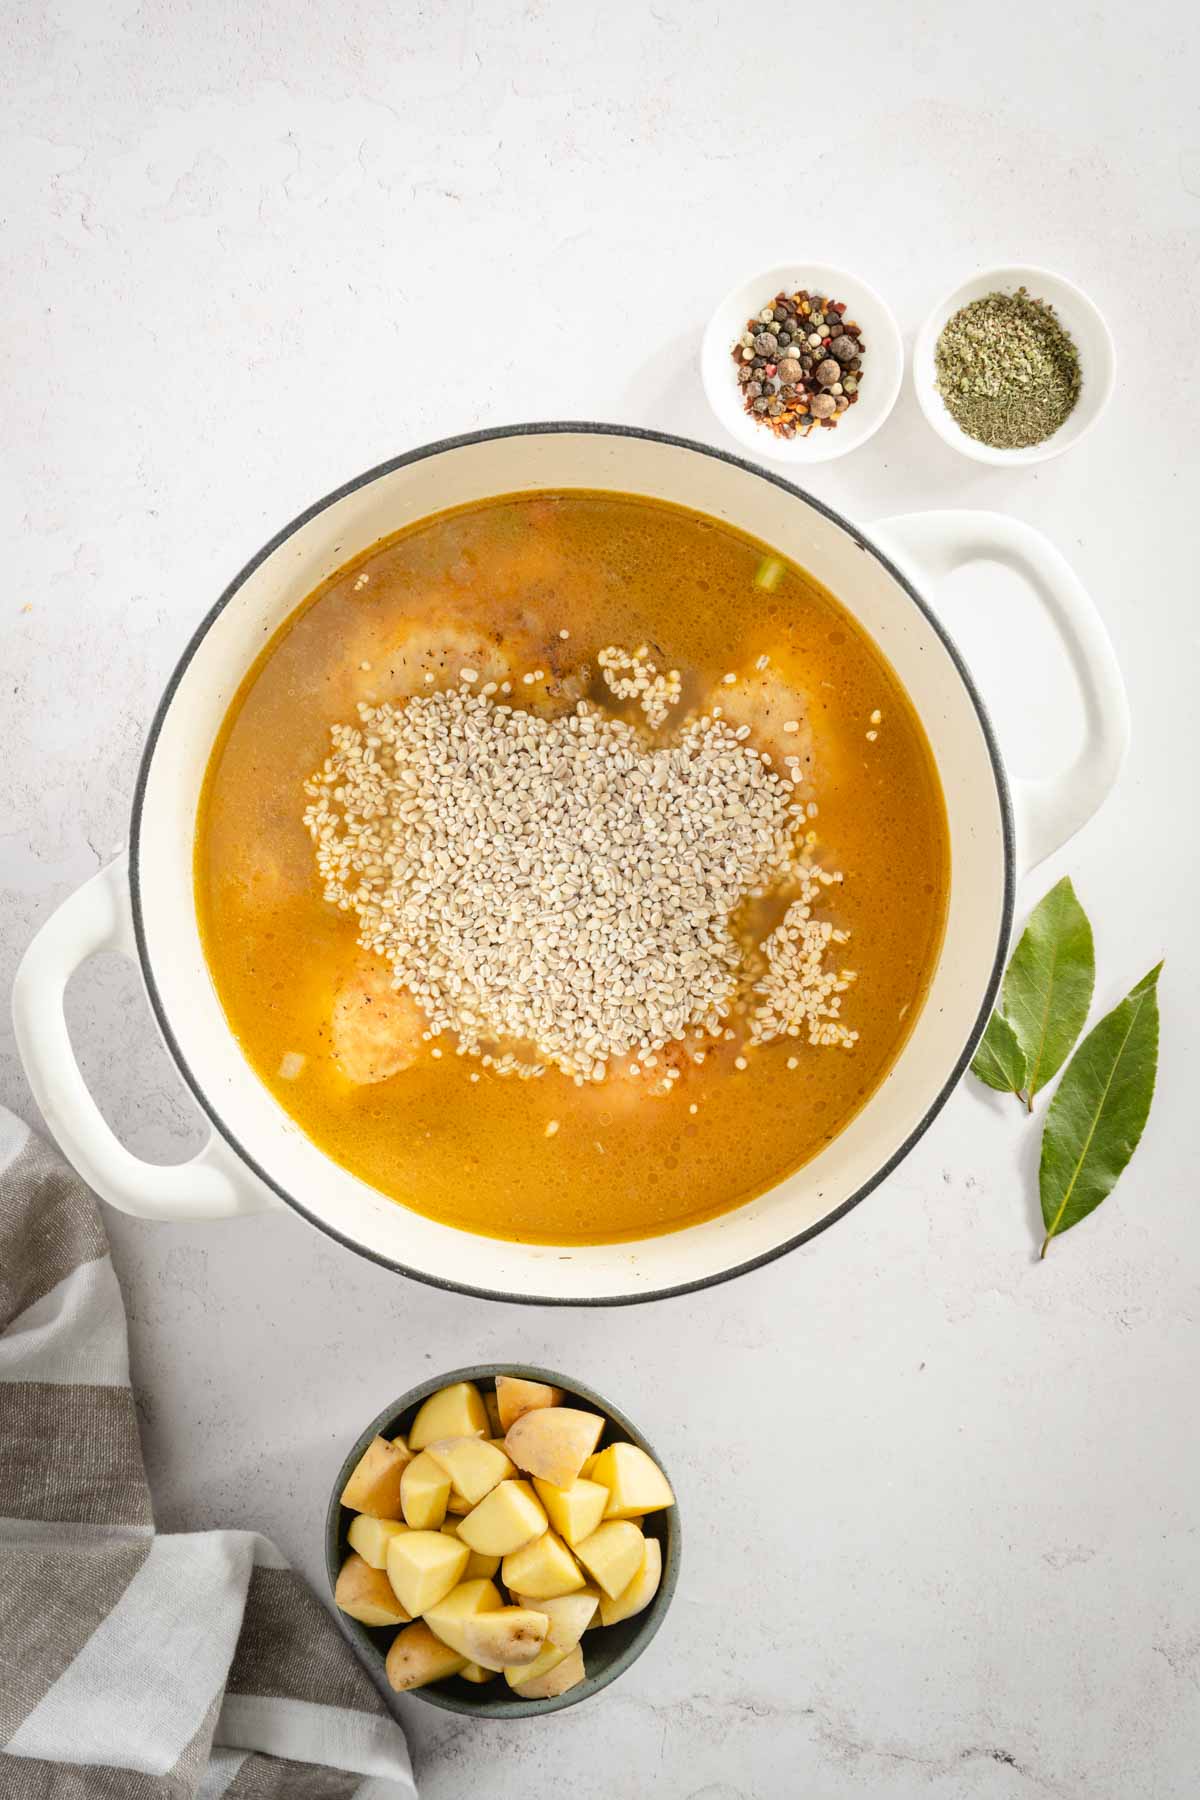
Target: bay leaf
pixel 1048 984
pixel 1000 1060
pixel 1097 1116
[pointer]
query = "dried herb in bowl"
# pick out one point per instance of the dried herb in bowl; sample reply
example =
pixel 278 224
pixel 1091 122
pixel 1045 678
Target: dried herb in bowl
pixel 1007 370
pixel 799 363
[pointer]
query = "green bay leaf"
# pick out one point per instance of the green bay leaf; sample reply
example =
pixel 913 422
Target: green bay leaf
pixel 1097 1116
pixel 1048 985
pixel 1000 1060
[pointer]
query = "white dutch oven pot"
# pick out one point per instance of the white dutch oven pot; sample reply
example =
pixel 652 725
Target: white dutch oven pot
pixel 256 1157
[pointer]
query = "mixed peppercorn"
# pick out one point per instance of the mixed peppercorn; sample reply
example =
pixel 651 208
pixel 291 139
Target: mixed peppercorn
pixel 799 363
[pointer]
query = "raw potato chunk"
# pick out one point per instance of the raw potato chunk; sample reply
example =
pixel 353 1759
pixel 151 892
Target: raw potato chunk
pixel 576 1511
pixel 568 1672
pixel 515 1396
pixel 641 1590
pixel 450 1615
pixel 506 1639
pixel 424 1492
pixel 510 1517
pixel 613 1554
pixel 374 1486
pixel 455 1411
pixel 569 1615
pixel 423 1566
pixel 635 1483
pixel 541 1665
pixel 479 1568
pixel 371 1537
pixel 497 1554
pixel 366 1594
pixel 554 1442
pixel 473 1465
pixel 542 1569
pixel 417 1657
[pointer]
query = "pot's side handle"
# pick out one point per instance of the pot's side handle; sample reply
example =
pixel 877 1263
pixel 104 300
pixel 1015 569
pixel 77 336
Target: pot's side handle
pixel 935 544
pixel 213 1185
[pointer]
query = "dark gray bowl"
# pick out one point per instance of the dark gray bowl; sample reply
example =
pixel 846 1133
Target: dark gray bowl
pixel 607 1653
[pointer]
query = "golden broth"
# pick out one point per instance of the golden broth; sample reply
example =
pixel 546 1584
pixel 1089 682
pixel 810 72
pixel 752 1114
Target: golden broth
pixel 609 569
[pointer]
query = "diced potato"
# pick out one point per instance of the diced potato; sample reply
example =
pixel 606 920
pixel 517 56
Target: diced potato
pixel 417 1657
pixel 554 1442
pixel 541 1665
pixel 451 1614
pixel 641 1590
pixel 576 1511
pixel 613 1554
pixel 515 1395
pixel 512 1546
pixel 569 1615
pixel 424 1492
pixel 566 1673
pixel 374 1486
pixel 505 1639
pixel 454 1411
pixel 479 1568
pixel 371 1537
pixel 366 1594
pixel 473 1465
pixel 423 1566
pixel 507 1519
pixel 634 1480
pixel 542 1569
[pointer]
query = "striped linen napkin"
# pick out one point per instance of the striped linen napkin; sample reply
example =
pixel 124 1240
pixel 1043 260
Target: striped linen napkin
pixel 135 1666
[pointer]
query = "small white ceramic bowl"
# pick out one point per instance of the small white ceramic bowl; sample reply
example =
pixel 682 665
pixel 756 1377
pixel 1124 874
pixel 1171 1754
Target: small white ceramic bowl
pixel 1077 314
pixel 883 363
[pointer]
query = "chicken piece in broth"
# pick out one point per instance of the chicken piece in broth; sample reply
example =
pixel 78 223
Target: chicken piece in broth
pixel 562 686
pixel 377 1028
pixel 396 665
pixel 776 712
pixel 665 1073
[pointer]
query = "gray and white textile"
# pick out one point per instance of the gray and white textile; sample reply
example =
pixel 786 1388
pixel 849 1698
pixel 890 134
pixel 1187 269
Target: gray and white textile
pixel 135 1666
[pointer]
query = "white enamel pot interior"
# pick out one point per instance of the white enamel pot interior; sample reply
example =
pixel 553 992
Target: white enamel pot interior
pixel 259 1157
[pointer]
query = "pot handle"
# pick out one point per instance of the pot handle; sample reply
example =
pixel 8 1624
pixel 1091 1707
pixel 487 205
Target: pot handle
pixel 1050 811
pixel 214 1184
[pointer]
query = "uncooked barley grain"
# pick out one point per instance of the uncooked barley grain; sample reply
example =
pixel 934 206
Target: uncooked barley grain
pixel 557 892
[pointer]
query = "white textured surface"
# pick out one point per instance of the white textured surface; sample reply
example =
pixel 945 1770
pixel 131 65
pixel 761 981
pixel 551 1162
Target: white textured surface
pixel 939 1501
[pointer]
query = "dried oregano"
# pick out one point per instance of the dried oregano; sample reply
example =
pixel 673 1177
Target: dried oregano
pixel 1007 370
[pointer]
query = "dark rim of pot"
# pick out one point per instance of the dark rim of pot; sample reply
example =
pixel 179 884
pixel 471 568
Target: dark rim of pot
pixel 454 1696
pixel 551 428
